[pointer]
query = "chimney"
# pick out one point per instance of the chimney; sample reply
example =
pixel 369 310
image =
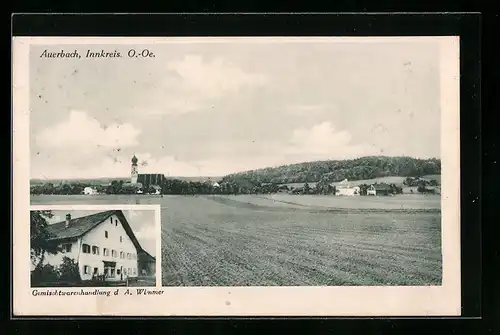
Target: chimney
pixel 68 219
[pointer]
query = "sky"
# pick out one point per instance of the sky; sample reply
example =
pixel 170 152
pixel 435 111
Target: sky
pixel 142 223
pixel 210 109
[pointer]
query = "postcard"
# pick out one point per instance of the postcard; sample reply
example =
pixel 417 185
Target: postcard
pixel 241 176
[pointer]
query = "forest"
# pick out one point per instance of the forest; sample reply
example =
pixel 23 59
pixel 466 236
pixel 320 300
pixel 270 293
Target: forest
pixel 337 170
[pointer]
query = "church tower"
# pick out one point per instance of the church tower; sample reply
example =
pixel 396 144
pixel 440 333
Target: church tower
pixel 134 172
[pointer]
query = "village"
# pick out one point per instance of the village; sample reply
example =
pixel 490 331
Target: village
pixel 158 184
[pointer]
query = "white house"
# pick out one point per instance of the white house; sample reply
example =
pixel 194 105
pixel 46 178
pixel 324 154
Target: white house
pixel 371 190
pixel 102 244
pixel 379 189
pixel 89 190
pixel 157 189
pixel 348 191
pixel 345 189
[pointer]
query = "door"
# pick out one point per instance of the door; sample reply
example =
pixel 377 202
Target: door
pixel 109 272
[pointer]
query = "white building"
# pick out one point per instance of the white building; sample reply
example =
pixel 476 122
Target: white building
pixel 89 190
pixel 157 189
pixel 102 244
pixel 345 189
pixel 351 191
pixel 371 191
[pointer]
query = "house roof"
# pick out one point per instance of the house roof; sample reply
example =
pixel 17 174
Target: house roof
pixel 82 225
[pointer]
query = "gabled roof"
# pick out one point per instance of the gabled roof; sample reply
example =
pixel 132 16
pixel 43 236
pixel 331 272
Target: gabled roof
pixel 77 226
pixel 82 225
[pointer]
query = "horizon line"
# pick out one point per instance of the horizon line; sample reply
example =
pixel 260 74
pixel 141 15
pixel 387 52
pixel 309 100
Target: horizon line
pixel 232 173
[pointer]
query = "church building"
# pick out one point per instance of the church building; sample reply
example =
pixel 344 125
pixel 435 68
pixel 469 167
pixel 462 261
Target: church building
pixel 145 181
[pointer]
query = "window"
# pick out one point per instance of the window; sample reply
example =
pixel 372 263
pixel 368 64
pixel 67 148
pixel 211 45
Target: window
pixel 125 272
pixel 86 248
pixel 106 234
pixel 116 223
pixel 106 252
pixel 86 269
pixel 130 271
pixel 112 274
pixel 96 270
pixel 95 250
pixel 113 253
pixel 129 256
pixel 111 220
pixel 66 248
pixel 122 254
pixel 135 271
pixel 121 240
pixel 118 271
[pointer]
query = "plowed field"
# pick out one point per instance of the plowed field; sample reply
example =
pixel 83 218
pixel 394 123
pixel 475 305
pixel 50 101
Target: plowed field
pixel 292 240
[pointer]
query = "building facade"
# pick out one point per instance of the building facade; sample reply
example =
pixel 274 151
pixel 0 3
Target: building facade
pixel 89 190
pixel 103 245
pixel 149 180
pixel 345 189
pixel 379 189
pixel 348 191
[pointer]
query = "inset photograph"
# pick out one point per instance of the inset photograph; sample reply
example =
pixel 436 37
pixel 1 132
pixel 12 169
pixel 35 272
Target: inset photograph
pixel 96 248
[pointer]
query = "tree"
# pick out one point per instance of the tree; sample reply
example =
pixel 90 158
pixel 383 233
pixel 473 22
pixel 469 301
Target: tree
pixel 115 187
pixel 68 271
pixel 40 237
pixel 363 189
pixel 433 182
pixel 306 188
pixel 421 189
pixel 44 274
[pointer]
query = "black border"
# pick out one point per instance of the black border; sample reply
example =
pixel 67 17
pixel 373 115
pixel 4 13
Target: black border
pixel 465 25
pixel 276 24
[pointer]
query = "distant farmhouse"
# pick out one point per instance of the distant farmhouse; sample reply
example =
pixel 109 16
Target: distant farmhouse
pixel 89 191
pixel 103 245
pixel 379 189
pixel 344 188
pixel 140 183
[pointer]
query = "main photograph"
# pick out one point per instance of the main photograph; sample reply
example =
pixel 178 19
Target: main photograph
pixel 275 162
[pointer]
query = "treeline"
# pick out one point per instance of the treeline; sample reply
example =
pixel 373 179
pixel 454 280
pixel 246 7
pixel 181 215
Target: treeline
pixel 182 187
pixel 170 186
pixel 62 189
pixel 336 170
pixel 412 182
pixel 271 180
